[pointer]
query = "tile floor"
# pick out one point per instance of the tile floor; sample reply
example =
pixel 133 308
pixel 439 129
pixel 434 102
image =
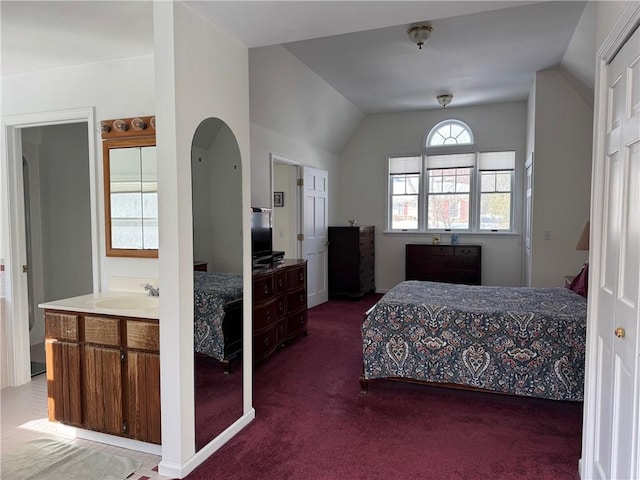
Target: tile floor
pixel 24 418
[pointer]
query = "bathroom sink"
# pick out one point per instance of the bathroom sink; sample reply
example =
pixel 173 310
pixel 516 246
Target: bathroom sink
pixel 128 303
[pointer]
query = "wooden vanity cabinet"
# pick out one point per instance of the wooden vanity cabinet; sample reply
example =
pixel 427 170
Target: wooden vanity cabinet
pixel 143 380
pixel 62 350
pixel 103 373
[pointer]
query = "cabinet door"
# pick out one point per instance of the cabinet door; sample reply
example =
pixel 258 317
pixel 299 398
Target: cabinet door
pixel 143 378
pixel 103 390
pixel 63 380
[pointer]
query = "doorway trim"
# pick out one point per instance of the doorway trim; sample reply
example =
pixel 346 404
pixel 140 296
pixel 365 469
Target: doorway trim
pixel 628 21
pixel 296 212
pixel 13 226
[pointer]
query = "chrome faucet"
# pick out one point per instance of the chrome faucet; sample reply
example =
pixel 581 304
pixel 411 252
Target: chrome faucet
pixel 152 292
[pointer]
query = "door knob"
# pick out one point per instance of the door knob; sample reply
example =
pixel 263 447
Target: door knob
pixel 619 332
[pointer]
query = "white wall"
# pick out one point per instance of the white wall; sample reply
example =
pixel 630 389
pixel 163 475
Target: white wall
pixel 296 115
pixel 65 211
pixel 98 85
pixel 201 204
pixel 184 44
pixel 284 235
pixel 60 216
pixel 217 214
pixel 288 97
pixel 562 178
pixel 265 142
pixel 362 186
pixel 607 15
pixel 225 182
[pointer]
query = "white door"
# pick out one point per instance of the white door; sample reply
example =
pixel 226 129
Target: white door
pixel 611 410
pixel 315 230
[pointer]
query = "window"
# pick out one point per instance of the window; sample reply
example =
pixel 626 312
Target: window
pixel 404 179
pixel 463 191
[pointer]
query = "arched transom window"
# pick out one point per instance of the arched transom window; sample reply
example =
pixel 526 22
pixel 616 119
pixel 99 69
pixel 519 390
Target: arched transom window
pixel 450 132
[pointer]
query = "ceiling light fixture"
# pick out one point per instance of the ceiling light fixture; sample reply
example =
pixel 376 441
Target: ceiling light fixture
pixel 420 34
pixel 444 100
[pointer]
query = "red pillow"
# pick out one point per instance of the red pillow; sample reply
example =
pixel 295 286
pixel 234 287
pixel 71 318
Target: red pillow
pixel 580 283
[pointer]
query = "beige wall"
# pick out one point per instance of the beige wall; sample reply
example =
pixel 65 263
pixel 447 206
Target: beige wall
pixel 562 179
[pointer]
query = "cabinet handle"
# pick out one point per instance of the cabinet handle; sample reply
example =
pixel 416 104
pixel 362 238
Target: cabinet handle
pixel 268 315
pixel 266 288
pixel 266 341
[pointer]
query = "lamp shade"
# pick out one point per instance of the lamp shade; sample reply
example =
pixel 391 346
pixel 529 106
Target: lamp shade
pixel 583 241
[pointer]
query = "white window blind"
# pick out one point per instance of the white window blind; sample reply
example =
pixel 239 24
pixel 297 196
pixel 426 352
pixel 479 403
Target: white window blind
pixel 497 161
pixel 399 165
pixel 460 160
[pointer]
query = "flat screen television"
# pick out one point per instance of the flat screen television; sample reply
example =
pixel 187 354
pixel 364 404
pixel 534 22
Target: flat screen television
pixel 261 236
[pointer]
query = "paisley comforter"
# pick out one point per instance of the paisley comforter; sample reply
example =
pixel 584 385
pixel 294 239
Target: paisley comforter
pixel 213 292
pixel 518 340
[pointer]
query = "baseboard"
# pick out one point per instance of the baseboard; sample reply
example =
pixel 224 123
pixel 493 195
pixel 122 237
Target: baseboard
pixel 119 441
pixel 174 470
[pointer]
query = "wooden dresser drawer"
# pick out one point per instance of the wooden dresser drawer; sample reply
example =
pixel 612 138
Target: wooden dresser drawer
pixel 438 251
pixel 297 323
pixel 265 315
pixel 296 300
pixel 263 287
pixel 472 251
pixel 61 326
pixel 264 343
pixel 296 278
pixel 102 330
pixel 143 335
pixel 279 280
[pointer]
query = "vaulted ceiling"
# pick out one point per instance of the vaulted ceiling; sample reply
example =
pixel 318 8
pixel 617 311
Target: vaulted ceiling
pixel 480 51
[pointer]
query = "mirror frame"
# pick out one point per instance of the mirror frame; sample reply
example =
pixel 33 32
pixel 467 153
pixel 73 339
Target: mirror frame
pixel 116 136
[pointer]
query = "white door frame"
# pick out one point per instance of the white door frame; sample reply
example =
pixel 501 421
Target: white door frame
pixel 294 220
pixel 624 27
pixel 13 228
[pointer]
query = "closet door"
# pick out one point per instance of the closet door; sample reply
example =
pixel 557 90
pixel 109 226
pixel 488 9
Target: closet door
pixel 611 417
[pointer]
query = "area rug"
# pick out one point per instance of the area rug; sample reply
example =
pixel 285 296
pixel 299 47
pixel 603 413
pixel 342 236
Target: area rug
pixel 45 459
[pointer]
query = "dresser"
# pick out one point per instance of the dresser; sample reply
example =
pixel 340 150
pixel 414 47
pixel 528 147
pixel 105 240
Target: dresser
pixel 351 261
pixel 279 306
pixel 444 263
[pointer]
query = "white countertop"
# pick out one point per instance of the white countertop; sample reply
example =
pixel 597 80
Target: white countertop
pixel 122 304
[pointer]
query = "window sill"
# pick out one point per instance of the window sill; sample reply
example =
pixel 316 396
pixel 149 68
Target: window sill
pixel 442 234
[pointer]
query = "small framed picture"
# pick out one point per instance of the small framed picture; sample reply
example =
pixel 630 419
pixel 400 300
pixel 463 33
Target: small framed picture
pixel 278 199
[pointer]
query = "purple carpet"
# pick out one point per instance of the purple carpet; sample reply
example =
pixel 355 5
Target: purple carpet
pixel 311 422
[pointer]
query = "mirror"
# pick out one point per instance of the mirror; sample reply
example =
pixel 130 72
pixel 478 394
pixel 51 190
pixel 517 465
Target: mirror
pixel 216 179
pixel 130 187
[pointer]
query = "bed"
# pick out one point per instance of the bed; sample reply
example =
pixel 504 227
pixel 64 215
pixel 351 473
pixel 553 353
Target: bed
pixel 218 316
pixel 515 340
